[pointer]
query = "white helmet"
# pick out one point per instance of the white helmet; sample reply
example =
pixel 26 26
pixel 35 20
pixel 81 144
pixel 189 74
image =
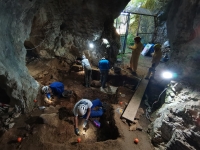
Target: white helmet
pixel 83 57
pixel 82 109
pixel 45 89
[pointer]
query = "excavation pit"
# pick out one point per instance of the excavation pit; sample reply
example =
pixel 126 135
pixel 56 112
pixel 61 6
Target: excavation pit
pixel 61 127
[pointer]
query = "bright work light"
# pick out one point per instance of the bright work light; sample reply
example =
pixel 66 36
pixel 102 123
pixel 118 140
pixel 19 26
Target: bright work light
pixel 91 45
pixel 167 75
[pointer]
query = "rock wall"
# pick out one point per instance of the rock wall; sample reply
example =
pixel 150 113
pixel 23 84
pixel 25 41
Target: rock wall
pixel 160 30
pixel 15 22
pixel 183 31
pixel 161 11
pixel 178 121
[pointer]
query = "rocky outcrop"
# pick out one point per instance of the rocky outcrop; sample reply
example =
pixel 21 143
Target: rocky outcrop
pixel 178 122
pixel 183 32
pixel 15 22
pixel 161 12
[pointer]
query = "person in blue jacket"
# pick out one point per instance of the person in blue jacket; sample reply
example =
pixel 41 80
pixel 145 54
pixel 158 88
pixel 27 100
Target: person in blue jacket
pixel 55 88
pixel 104 66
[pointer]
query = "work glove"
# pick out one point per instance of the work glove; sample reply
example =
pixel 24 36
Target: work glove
pixel 85 123
pixel 48 95
pixel 77 131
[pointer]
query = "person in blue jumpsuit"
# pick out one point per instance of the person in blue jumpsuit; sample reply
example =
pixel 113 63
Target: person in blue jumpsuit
pixel 56 88
pixel 104 66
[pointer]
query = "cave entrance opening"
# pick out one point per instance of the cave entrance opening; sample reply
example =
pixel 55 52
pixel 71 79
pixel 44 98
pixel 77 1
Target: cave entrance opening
pixel 140 21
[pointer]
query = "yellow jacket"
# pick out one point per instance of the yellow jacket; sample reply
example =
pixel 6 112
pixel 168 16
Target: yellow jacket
pixel 156 57
pixel 136 48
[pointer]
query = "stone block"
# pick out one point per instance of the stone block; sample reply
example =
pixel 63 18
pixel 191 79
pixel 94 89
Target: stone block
pixel 132 127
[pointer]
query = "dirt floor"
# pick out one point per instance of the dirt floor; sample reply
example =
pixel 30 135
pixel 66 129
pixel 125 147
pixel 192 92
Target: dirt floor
pixel 52 128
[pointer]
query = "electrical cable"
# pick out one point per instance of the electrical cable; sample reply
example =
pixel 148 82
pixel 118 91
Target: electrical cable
pixel 39 44
pixel 149 109
pixel 147 112
pixel 158 98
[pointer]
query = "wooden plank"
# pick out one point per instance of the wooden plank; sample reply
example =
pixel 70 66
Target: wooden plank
pixel 134 103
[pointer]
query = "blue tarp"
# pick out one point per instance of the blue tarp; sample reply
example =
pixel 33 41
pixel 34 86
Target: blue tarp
pixel 148 49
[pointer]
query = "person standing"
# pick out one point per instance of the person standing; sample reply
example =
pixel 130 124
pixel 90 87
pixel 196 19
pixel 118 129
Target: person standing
pixel 104 66
pixel 87 69
pixel 84 108
pixel 136 50
pixel 157 55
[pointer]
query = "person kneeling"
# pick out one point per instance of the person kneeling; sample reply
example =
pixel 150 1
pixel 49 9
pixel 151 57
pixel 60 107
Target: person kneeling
pixel 84 108
pixel 56 89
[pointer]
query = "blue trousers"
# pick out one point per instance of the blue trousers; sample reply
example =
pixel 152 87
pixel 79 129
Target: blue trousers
pixel 95 113
pixel 104 76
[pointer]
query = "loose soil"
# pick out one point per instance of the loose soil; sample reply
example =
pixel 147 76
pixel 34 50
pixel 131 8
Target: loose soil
pixel 56 131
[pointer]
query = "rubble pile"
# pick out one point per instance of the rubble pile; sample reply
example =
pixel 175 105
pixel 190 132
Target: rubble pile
pixel 7 116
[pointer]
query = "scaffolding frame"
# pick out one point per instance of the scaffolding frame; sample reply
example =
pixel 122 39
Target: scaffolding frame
pixel 137 11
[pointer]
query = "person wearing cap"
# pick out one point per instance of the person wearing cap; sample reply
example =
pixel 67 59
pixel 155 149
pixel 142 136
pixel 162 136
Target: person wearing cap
pixel 55 88
pixel 84 108
pixel 87 69
pixel 104 66
pixel 157 55
pixel 136 50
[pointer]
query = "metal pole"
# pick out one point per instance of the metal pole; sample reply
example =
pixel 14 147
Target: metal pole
pixel 126 34
pixel 116 23
pixel 154 34
pixel 138 25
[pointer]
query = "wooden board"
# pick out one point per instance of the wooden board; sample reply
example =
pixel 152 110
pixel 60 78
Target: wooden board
pixel 134 103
